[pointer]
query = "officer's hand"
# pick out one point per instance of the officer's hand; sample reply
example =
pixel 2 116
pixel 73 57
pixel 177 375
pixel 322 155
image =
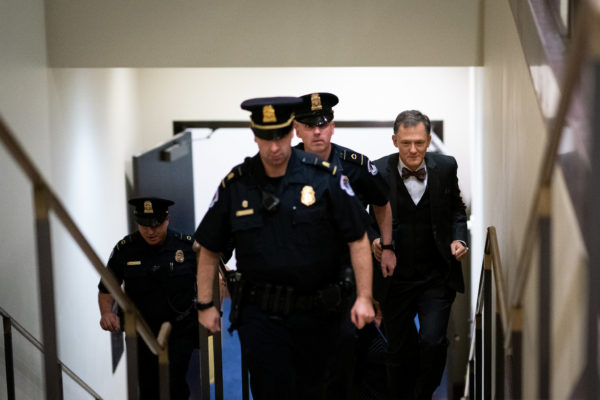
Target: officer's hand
pixel 362 312
pixel 210 319
pixel 110 322
pixel 376 249
pixel 458 250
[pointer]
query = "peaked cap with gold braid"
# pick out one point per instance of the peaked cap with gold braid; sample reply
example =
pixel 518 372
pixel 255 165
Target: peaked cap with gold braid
pixel 271 117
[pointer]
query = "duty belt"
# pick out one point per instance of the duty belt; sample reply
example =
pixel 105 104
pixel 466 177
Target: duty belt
pixel 283 300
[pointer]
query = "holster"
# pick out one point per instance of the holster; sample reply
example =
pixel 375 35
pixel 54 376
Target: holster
pixel 235 285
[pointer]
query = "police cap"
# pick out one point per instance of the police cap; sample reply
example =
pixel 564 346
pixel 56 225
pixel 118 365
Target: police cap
pixel 150 211
pixel 316 108
pixel 271 117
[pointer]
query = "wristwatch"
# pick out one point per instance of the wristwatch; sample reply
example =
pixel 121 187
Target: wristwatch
pixel 388 247
pixel 204 306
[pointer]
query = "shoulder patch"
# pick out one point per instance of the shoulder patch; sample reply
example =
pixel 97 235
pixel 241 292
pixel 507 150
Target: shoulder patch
pixel 354 157
pixel 319 163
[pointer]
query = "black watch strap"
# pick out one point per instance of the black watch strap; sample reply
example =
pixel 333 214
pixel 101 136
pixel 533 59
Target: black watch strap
pixel 388 247
pixel 204 306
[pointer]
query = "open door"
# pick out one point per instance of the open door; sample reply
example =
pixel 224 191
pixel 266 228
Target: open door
pixel 166 171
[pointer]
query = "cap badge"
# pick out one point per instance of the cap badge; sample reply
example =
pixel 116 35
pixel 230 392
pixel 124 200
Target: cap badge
pixel 269 114
pixel 179 256
pixel 148 207
pixel 315 102
pixel 307 196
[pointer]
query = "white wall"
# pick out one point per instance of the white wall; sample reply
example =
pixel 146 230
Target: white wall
pixel 24 108
pixel 365 94
pixel 512 140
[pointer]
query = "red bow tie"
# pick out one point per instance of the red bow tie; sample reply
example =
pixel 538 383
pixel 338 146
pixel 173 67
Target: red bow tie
pixel 419 174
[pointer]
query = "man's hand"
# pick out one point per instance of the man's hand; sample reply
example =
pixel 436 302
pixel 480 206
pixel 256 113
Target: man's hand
pixel 387 258
pixel 458 250
pixel 110 322
pixel 362 312
pixel 210 319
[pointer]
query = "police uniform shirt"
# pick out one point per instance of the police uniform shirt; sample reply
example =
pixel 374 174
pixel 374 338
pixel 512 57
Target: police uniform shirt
pixel 160 280
pixel 364 177
pixel 300 243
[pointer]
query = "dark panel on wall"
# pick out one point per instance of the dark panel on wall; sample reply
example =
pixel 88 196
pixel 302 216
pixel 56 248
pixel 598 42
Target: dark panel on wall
pixel 166 171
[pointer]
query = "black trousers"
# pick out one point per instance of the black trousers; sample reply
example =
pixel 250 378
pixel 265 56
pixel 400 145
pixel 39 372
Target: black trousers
pixel 289 357
pixel 416 359
pixel 182 342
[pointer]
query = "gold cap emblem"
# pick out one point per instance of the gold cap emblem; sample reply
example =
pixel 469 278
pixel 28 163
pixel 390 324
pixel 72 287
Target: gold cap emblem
pixel 148 207
pixel 315 102
pixel 179 256
pixel 307 196
pixel 269 114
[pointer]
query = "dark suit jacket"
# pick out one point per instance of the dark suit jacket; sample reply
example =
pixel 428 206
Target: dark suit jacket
pixel 448 217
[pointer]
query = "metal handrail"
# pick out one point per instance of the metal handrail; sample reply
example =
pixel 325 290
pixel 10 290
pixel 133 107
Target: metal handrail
pixel 491 264
pixel 51 202
pixel 37 344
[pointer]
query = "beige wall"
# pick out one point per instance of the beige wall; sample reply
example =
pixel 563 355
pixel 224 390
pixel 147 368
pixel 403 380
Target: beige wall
pixel 513 134
pixel 262 33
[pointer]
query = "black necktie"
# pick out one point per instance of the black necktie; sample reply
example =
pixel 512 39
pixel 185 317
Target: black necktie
pixel 419 174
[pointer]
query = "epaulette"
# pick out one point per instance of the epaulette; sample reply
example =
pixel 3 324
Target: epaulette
pixel 124 241
pixel 234 174
pixel 352 156
pixel 311 159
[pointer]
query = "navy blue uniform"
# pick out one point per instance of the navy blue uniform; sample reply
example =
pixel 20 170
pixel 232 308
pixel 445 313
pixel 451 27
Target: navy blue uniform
pixel 371 188
pixel 161 281
pixel 296 245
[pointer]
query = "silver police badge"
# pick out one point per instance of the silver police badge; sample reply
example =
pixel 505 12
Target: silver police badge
pixel 179 256
pixel 345 185
pixel 307 196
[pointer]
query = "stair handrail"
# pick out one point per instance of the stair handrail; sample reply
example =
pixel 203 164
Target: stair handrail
pixel 491 267
pixel 589 14
pixel 37 344
pixel 53 203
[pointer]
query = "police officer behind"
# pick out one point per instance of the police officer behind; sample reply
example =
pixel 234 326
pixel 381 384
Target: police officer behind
pixel 157 266
pixel 315 126
pixel 287 212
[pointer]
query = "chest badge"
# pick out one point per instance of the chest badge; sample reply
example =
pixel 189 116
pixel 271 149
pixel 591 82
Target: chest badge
pixel 307 196
pixel 179 256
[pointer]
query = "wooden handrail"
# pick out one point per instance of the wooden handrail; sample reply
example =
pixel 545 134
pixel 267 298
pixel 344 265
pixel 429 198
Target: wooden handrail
pixel 501 295
pixel 17 152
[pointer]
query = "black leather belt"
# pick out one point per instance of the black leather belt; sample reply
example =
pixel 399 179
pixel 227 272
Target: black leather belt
pixel 283 300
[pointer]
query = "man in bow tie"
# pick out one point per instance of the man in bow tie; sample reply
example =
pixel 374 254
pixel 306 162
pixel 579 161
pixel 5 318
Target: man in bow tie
pixel 430 233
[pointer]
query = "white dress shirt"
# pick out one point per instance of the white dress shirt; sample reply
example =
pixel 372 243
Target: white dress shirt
pixel 415 187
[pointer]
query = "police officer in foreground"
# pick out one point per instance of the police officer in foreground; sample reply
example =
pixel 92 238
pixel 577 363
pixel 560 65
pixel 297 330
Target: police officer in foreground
pixel 158 268
pixel 288 214
pixel 314 125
